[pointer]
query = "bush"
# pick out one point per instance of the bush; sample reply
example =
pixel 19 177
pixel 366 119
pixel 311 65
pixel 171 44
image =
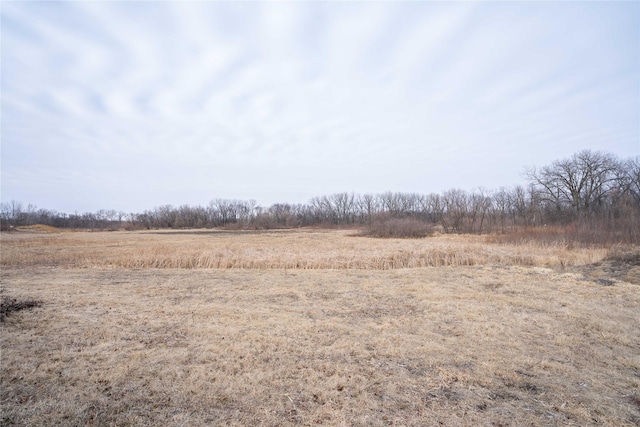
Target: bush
pixel 404 228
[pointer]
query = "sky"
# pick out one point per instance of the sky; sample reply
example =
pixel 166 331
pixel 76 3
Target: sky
pixel 133 105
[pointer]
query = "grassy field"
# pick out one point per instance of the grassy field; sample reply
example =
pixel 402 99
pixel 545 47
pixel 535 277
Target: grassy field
pixel 283 249
pixel 316 328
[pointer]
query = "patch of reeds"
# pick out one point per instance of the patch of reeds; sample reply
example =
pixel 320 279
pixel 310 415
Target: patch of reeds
pixel 570 236
pixel 304 250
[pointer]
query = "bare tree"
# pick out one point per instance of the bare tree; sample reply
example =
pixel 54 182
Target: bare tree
pixel 479 204
pixel 12 212
pixel 629 179
pixel 343 207
pixel 368 206
pixel 434 205
pixel 455 210
pixel 500 207
pixel 579 183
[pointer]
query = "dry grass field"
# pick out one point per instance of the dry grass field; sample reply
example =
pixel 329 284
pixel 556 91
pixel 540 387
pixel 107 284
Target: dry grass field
pixel 280 249
pixel 196 328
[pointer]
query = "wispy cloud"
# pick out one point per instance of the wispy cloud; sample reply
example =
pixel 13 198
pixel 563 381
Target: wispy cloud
pixel 134 104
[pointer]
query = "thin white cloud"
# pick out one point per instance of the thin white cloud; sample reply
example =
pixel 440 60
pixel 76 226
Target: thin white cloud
pixel 265 100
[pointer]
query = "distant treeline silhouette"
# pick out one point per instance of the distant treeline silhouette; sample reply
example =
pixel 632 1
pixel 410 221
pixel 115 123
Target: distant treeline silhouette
pixel 595 194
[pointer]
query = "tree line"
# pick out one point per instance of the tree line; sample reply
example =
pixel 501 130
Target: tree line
pixel 590 190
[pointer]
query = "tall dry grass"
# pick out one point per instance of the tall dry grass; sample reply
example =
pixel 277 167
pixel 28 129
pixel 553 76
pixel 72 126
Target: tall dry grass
pixel 574 235
pixel 299 249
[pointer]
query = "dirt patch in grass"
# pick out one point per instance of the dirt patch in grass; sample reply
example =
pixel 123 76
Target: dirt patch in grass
pixel 621 264
pixel 10 305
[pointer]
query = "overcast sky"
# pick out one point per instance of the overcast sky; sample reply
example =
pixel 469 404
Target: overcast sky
pixel 132 105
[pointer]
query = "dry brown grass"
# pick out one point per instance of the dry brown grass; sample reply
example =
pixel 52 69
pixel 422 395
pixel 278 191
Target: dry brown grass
pixel 40 228
pixel 470 345
pixel 298 249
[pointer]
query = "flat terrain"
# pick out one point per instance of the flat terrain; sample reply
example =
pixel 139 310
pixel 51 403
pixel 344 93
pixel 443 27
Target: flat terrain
pixel 315 328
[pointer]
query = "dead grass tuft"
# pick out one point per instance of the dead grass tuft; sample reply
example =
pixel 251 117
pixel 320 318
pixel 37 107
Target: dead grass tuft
pixel 10 305
pixel 575 235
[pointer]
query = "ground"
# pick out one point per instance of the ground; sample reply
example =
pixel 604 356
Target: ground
pixel 550 340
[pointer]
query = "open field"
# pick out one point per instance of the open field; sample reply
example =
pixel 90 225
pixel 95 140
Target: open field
pixel 281 249
pixel 315 328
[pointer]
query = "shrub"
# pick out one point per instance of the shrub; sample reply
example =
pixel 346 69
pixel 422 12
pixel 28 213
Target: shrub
pixel 406 228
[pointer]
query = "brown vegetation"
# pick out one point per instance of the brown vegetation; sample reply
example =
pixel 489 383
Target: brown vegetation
pixel 401 228
pixel 593 197
pixel 497 338
pixel 280 249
